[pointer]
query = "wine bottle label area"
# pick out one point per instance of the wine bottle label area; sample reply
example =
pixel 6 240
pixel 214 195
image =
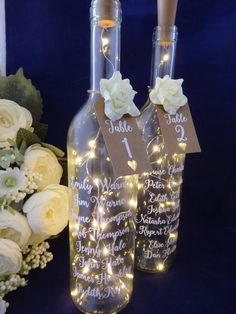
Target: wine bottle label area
pixel 178 131
pixel 124 143
pixel 158 214
pixel 103 241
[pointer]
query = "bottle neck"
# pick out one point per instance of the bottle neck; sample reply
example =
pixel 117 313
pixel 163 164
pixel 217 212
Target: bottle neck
pixel 105 45
pixel 164 52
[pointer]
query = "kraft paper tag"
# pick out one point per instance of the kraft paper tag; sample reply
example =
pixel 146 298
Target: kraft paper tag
pixel 178 131
pixel 124 143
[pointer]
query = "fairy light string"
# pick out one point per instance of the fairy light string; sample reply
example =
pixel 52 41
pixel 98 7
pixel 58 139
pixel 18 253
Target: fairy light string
pixel 102 219
pixel 158 201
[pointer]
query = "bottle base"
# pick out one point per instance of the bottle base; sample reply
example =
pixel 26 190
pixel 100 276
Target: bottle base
pixel 100 312
pixel 155 267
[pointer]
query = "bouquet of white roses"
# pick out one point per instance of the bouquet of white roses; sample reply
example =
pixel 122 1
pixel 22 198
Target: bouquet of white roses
pixel 33 204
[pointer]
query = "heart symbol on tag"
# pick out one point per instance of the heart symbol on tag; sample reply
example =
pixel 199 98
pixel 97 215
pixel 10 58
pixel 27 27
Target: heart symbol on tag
pixel 132 164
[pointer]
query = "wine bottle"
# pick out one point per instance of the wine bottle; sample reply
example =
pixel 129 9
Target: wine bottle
pixel 103 209
pixel 159 191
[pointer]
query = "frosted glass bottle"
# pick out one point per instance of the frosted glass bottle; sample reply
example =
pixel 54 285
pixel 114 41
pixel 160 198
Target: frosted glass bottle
pixel 159 191
pixel 103 209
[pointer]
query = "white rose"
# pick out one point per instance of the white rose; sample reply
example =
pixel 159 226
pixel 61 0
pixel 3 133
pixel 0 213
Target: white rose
pixel 118 95
pixel 36 239
pixel 14 226
pixel 3 306
pixel 10 257
pixel 48 211
pixel 43 161
pixel 168 93
pixel 12 118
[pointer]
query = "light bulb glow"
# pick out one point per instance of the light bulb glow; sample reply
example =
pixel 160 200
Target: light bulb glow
pixel 105 41
pixel 166 57
pixel 160 267
pixel 92 155
pixel 92 143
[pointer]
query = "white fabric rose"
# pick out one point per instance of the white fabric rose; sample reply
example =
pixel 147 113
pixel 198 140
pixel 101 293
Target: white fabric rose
pixel 12 118
pixel 43 161
pixel 169 93
pixel 15 227
pixel 36 239
pixel 3 306
pixel 48 211
pixel 118 95
pixel 10 257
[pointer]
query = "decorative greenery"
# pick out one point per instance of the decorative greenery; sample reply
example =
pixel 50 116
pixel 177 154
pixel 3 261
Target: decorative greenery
pixel 21 90
pixel 20 181
pixel 40 129
pixel 57 151
pixel 27 137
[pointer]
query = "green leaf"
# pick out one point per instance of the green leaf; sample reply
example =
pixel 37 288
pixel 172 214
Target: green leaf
pixel 11 142
pixel 11 210
pixel 28 137
pixel 40 129
pixel 57 151
pixel 21 90
pixel 2 198
pixel 23 147
pixel 5 158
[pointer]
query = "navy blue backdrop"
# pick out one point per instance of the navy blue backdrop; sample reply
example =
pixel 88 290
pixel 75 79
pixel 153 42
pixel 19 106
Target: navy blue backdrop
pixel 50 39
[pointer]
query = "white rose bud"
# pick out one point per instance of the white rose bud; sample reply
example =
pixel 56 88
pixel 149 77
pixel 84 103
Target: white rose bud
pixel 48 211
pixel 43 161
pixel 118 95
pixel 168 93
pixel 10 257
pixel 12 118
pixel 15 227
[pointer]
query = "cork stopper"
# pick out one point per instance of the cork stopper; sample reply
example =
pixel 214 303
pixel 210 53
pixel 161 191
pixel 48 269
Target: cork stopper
pixel 166 17
pixel 108 12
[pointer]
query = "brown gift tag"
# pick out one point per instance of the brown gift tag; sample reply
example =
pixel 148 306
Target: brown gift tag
pixel 178 131
pixel 124 143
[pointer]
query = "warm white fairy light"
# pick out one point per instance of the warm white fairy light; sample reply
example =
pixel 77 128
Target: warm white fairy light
pixel 133 203
pixel 183 146
pixel 95 223
pixel 100 209
pixel 156 148
pixel 105 251
pixel 92 155
pixel 172 235
pixel 74 292
pixel 160 205
pixel 86 269
pixel 140 186
pixel 160 267
pixel 105 42
pixel 103 225
pixel 166 57
pixel 109 269
pixel 78 160
pixel 98 255
pixel 96 181
pixel 92 143
pixel 102 253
